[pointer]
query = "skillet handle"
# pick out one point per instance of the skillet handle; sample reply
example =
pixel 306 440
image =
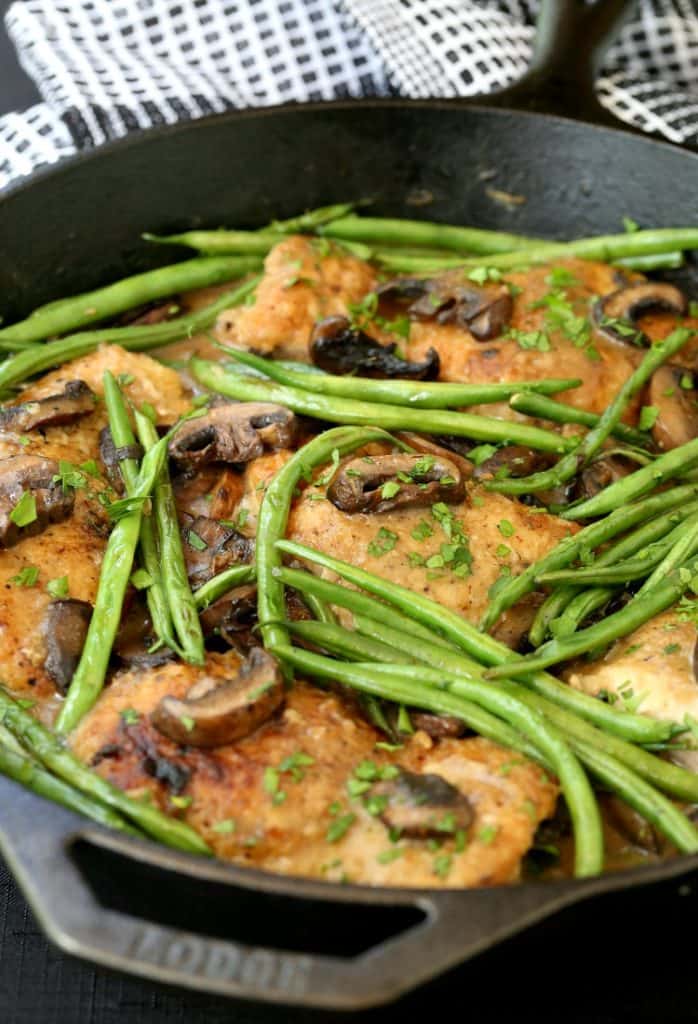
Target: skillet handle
pixel 571 39
pixel 36 839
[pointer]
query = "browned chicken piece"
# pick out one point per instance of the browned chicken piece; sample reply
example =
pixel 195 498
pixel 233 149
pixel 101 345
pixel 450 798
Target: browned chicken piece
pixel 305 280
pixel 652 671
pixel 452 553
pixel 74 547
pixel 278 799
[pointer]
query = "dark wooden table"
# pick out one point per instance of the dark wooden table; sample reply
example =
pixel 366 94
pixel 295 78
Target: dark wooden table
pixel 629 959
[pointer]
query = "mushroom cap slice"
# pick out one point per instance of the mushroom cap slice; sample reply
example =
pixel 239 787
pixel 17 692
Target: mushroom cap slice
pixel 677 413
pixel 423 806
pixel 210 547
pixel 212 714
pixel 30 473
pixel 387 482
pixel 111 457
pixel 615 315
pixel 449 299
pixel 64 628
pixel 233 432
pixel 75 400
pixel 339 348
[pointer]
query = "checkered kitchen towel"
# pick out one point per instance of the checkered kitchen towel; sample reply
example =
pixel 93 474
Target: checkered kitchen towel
pixel 108 67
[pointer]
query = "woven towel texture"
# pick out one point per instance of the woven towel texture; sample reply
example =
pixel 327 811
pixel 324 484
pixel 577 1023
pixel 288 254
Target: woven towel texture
pixel 107 67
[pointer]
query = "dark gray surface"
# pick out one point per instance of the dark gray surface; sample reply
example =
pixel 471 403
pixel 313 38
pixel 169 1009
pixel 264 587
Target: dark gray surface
pixel 17 91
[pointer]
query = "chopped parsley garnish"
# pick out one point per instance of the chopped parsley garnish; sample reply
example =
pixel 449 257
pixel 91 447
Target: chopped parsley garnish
pixel 181 802
pixel 530 339
pixel 561 277
pixel 482 274
pixel 26 577
pixel 187 722
pixel 506 528
pixel 24 511
pixel 340 827
pixel 481 453
pixel 442 864
pixel 384 541
pixel 195 541
pixel 487 833
pixel 58 588
pixel 69 475
pixel 672 648
pixel 421 531
pixel 225 827
pixel 630 225
pixel 296 763
pixel 391 854
pixel 648 417
pixel 129 716
pixel 389 489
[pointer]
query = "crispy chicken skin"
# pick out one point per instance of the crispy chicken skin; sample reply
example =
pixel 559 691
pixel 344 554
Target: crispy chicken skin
pixel 225 794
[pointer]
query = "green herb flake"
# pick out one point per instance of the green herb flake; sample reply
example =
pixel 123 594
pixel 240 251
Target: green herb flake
pixel 630 225
pixel 141 579
pixel 58 588
pixel 686 381
pixel 561 277
pixel 506 528
pixel 187 722
pixel 26 577
pixel 181 802
pixel 648 417
pixel 487 834
pixel 384 541
pixel 404 723
pixel 390 748
pixel 672 648
pixel 442 865
pixel 391 854
pixel 225 827
pixel 480 275
pixel 24 511
pixel 270 780
pixel 527 340
pixel 389 489
pixel 421 531
pixel 481 453
pixel 339 827
pixel 129 716
pixel 195 541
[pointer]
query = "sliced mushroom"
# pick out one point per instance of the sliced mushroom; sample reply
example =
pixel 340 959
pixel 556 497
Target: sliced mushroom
pixel 212 714
pixel 451 299
pixel 135 638
pixel 337 347
pixel 382 483
pixel 75 400
pixel 515 459
pixel 233 617
pixel 22 474
pixel 615 315
pixel 64 628
pixel 233 432
pixel 423 806
pixel 111 458
pixel 439 727
pixel 677 411
pixel 601 473
pixel 210 547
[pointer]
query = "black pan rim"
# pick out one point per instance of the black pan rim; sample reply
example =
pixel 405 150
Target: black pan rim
pixel 55 172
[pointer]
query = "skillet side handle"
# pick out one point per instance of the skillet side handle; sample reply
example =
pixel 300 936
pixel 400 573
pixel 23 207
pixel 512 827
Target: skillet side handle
pixel 456 925
pixel 571 40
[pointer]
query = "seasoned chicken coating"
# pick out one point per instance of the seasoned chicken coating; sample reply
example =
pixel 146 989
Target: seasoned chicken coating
pixel 305 280
pixel 652 671
pixel 73 548
pixel 451 553
pixel 281 799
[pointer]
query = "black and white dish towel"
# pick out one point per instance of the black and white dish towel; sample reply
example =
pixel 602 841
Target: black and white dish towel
pixel 107 67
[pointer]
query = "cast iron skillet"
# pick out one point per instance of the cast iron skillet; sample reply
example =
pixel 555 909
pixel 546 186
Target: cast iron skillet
pixel 78 226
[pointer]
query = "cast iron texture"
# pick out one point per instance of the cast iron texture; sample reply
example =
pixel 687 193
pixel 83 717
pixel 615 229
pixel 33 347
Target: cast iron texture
pixel 79 225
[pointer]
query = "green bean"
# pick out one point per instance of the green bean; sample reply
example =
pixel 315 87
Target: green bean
pixel 322 612
pixel 114 575
pixel 389 417
pixel 593 440
pixel 337 640
pixel 612 575
pixel 123 436
pixel 29 774
pixel 415 394
pixel 273 517
pixel 220 242
pixel 636 484
pixel 685 544
pixel 91 307
pixel 604 248
pixel 545 737
pixel 58 759
pixel 481 647
pixel 637 540
pixel 611 628
pixel 659 261
pixel 670 778
pixel 356 602
pixel 218 586
pixel 312 219
pixel 19 367
pixel 533 404
pixel 425 234
pixel 580 608
pixel 590 537
pixel 180 600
